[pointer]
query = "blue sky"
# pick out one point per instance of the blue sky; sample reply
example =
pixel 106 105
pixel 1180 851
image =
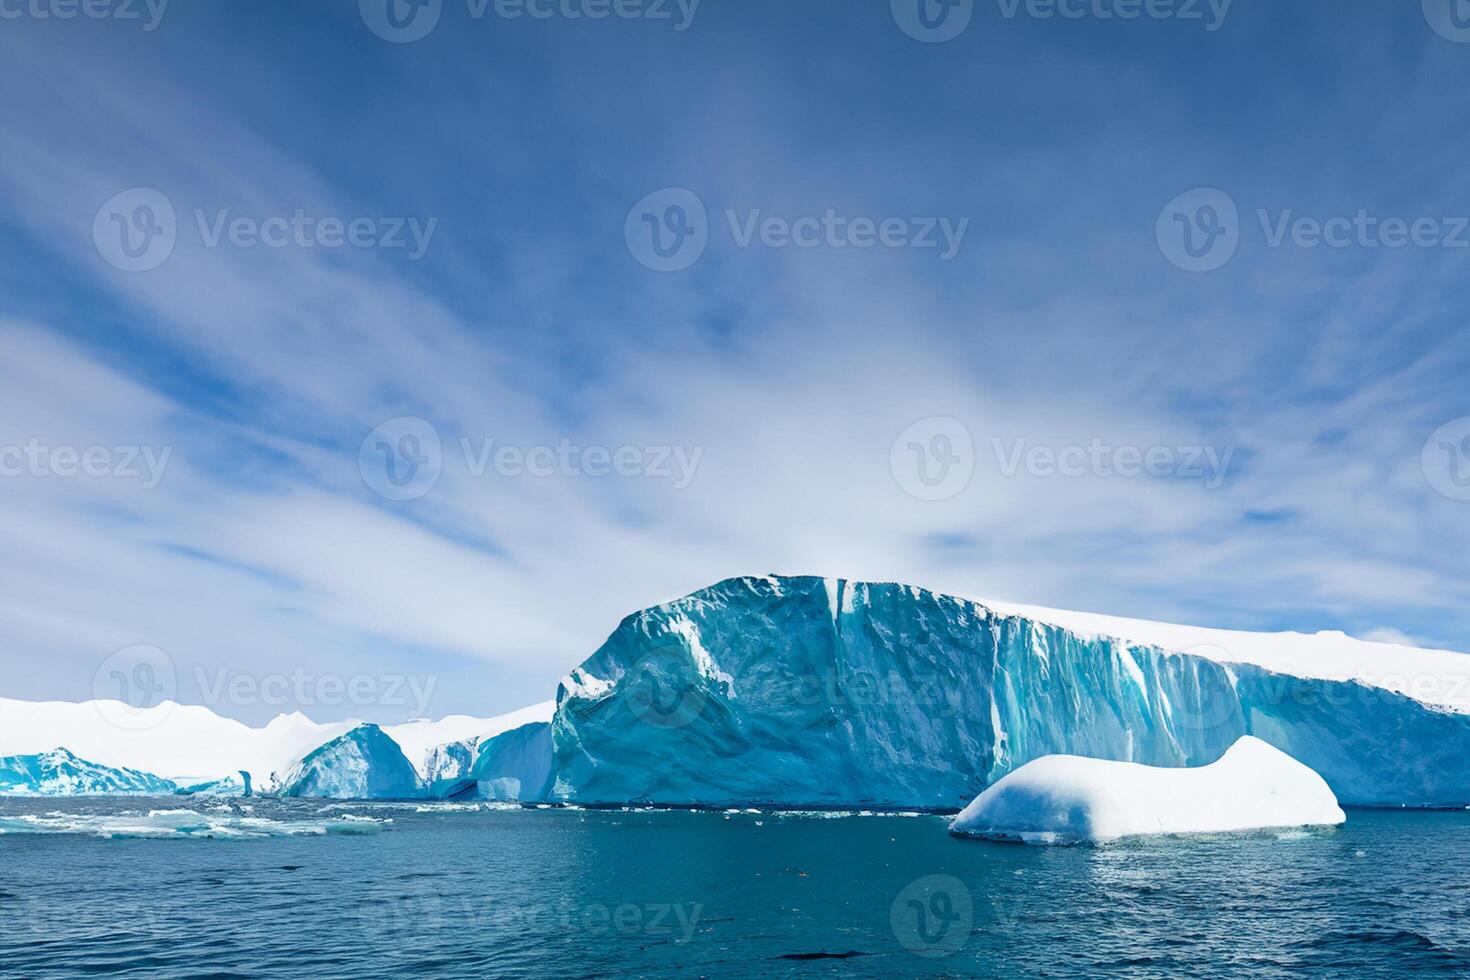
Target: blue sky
pixel 790 380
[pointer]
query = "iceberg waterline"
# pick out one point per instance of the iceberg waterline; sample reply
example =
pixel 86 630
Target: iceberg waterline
pixel 808 692
pixel 1063 799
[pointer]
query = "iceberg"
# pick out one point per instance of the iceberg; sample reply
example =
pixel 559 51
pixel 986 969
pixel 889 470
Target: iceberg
pixel 514 766
pixel 805 691
pixel 447 768
pixel 232 786
pixel 422 740
pixel 1065 799
pixel 360 765
pixel 61 773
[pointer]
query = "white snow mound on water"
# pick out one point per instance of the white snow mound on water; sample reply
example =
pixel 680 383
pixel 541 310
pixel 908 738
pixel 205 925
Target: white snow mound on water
pixel 1068 799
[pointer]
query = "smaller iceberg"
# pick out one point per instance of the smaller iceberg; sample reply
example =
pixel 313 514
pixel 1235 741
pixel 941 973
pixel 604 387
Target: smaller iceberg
pixel 1067 799
pixel 364 764
pixel 514 766
pixel 61 773
pixel 231 786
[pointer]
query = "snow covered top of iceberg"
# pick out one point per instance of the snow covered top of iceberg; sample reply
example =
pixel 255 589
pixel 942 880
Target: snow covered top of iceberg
pixel 1069 799
pixel 1437 677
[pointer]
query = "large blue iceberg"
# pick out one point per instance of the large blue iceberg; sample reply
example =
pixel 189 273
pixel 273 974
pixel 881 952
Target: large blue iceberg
pixel 805 691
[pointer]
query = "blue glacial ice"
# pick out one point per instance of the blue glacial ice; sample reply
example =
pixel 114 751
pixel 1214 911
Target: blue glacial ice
pixel 362 764
pixel 511 766
pixel 803 691
pixel 237 785
pixel 60 773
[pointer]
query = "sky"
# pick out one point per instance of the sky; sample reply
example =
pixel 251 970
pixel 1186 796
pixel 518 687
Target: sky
pixel 403 351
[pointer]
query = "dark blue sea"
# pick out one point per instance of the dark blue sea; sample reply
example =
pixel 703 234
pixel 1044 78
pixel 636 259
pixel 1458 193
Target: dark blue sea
pixel 267 888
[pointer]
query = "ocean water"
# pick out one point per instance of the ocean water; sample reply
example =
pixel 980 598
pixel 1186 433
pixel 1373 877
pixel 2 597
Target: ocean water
pixel 266 888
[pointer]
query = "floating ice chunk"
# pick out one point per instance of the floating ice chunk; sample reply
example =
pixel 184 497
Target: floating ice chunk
pixel 1063 799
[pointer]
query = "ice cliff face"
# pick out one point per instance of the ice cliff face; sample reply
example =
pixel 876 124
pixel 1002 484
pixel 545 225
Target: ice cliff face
pixel 362 764
pixel 511 766
pixel 810 691
pixel 60 773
